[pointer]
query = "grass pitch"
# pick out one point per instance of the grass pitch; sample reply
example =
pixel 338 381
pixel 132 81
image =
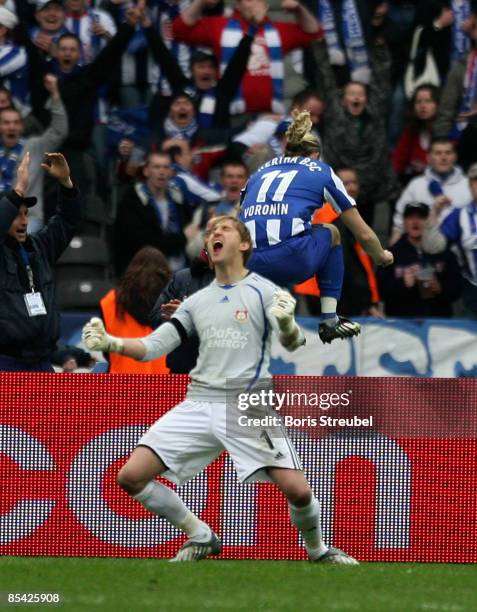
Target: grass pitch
pixel 149 584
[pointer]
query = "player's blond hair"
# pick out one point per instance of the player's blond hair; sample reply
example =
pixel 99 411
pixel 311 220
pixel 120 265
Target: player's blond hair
pixel 300 140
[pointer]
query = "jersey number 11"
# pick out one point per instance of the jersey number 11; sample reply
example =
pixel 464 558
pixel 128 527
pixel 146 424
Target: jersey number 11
pixel 268 178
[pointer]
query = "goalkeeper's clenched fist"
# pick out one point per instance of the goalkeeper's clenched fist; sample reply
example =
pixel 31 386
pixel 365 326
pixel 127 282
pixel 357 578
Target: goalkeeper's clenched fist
pixel 283 309
pixel 95 338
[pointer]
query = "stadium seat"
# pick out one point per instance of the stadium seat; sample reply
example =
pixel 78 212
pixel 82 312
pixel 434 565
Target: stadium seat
pixel 86 250
pixel 73 294
pixel 96 210
pixel 97 229
pixel 86 258
pixel 96 219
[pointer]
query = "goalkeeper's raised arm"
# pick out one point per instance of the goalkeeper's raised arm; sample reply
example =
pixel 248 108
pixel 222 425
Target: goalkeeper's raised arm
pixel 169 336
pixel 160 342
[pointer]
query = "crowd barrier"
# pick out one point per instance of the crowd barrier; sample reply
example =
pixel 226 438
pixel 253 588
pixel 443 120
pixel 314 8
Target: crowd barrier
pixel 402 490
pixel 394 347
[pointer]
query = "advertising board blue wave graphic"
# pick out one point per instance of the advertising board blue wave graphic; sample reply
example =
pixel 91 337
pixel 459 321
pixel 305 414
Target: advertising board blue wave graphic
pixel 398 347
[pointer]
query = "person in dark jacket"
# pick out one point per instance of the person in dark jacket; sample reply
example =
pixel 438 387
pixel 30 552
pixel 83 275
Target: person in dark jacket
pixel 419 285
pixel 183 283
pixel 354 134
pixel 80 92
pixel 153 212
pixel 29 318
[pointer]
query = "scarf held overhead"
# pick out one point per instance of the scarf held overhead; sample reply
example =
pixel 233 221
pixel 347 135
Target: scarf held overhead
pixel 469 97
pixel 231 36
pixel 460 39
pixel 355 51
pixel 9 159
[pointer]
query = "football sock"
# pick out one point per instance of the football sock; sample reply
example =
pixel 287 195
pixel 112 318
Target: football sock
pixel 328 311
pixel 330 279
pixel 308 522
pixel 162 500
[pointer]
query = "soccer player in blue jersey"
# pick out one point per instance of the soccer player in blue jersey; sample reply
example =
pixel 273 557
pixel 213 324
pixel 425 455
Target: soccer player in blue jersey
pixel 277 208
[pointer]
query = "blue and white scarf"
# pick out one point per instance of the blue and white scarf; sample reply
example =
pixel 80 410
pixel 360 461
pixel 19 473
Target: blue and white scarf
pixel 207 108
pixel 460 39
pixel 469 97
pixel 173 225
pixel 131 123
pixel 14 71
pixel 138 40
pixel 9 159
pixel 54 37
pixel 163 13
pixel 81 26
pixel 355 51
pixel 96 41
pixel 232 34
pixel 171 130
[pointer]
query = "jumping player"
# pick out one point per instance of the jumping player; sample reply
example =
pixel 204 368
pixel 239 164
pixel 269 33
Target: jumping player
pixel 277 208
pixel 233 318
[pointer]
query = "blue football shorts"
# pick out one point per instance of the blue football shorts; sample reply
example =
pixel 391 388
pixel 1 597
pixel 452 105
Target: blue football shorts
pixel 294 260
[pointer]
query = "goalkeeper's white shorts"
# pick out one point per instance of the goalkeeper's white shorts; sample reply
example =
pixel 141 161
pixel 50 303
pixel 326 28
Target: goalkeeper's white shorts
pixel 194 433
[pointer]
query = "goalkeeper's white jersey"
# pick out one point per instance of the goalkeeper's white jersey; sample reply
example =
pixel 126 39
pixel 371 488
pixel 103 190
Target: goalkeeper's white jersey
pixel 234 329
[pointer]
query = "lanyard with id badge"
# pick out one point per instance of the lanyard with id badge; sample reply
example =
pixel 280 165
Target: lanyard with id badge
pixel 33 300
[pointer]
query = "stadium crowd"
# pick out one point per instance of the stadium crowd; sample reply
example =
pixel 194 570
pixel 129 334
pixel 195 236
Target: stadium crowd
pixel 163 108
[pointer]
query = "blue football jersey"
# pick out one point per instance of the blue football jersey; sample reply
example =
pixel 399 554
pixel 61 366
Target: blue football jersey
pixel 281 197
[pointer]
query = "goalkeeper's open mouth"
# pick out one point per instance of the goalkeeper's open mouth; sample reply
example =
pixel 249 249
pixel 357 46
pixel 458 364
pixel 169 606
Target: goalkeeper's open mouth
pixel 217 246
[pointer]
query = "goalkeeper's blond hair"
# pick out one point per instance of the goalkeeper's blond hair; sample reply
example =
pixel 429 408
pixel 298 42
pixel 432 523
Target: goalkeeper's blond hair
pixel 300 140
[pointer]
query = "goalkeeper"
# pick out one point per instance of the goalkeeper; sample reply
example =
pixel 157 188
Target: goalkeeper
pixel 233 318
